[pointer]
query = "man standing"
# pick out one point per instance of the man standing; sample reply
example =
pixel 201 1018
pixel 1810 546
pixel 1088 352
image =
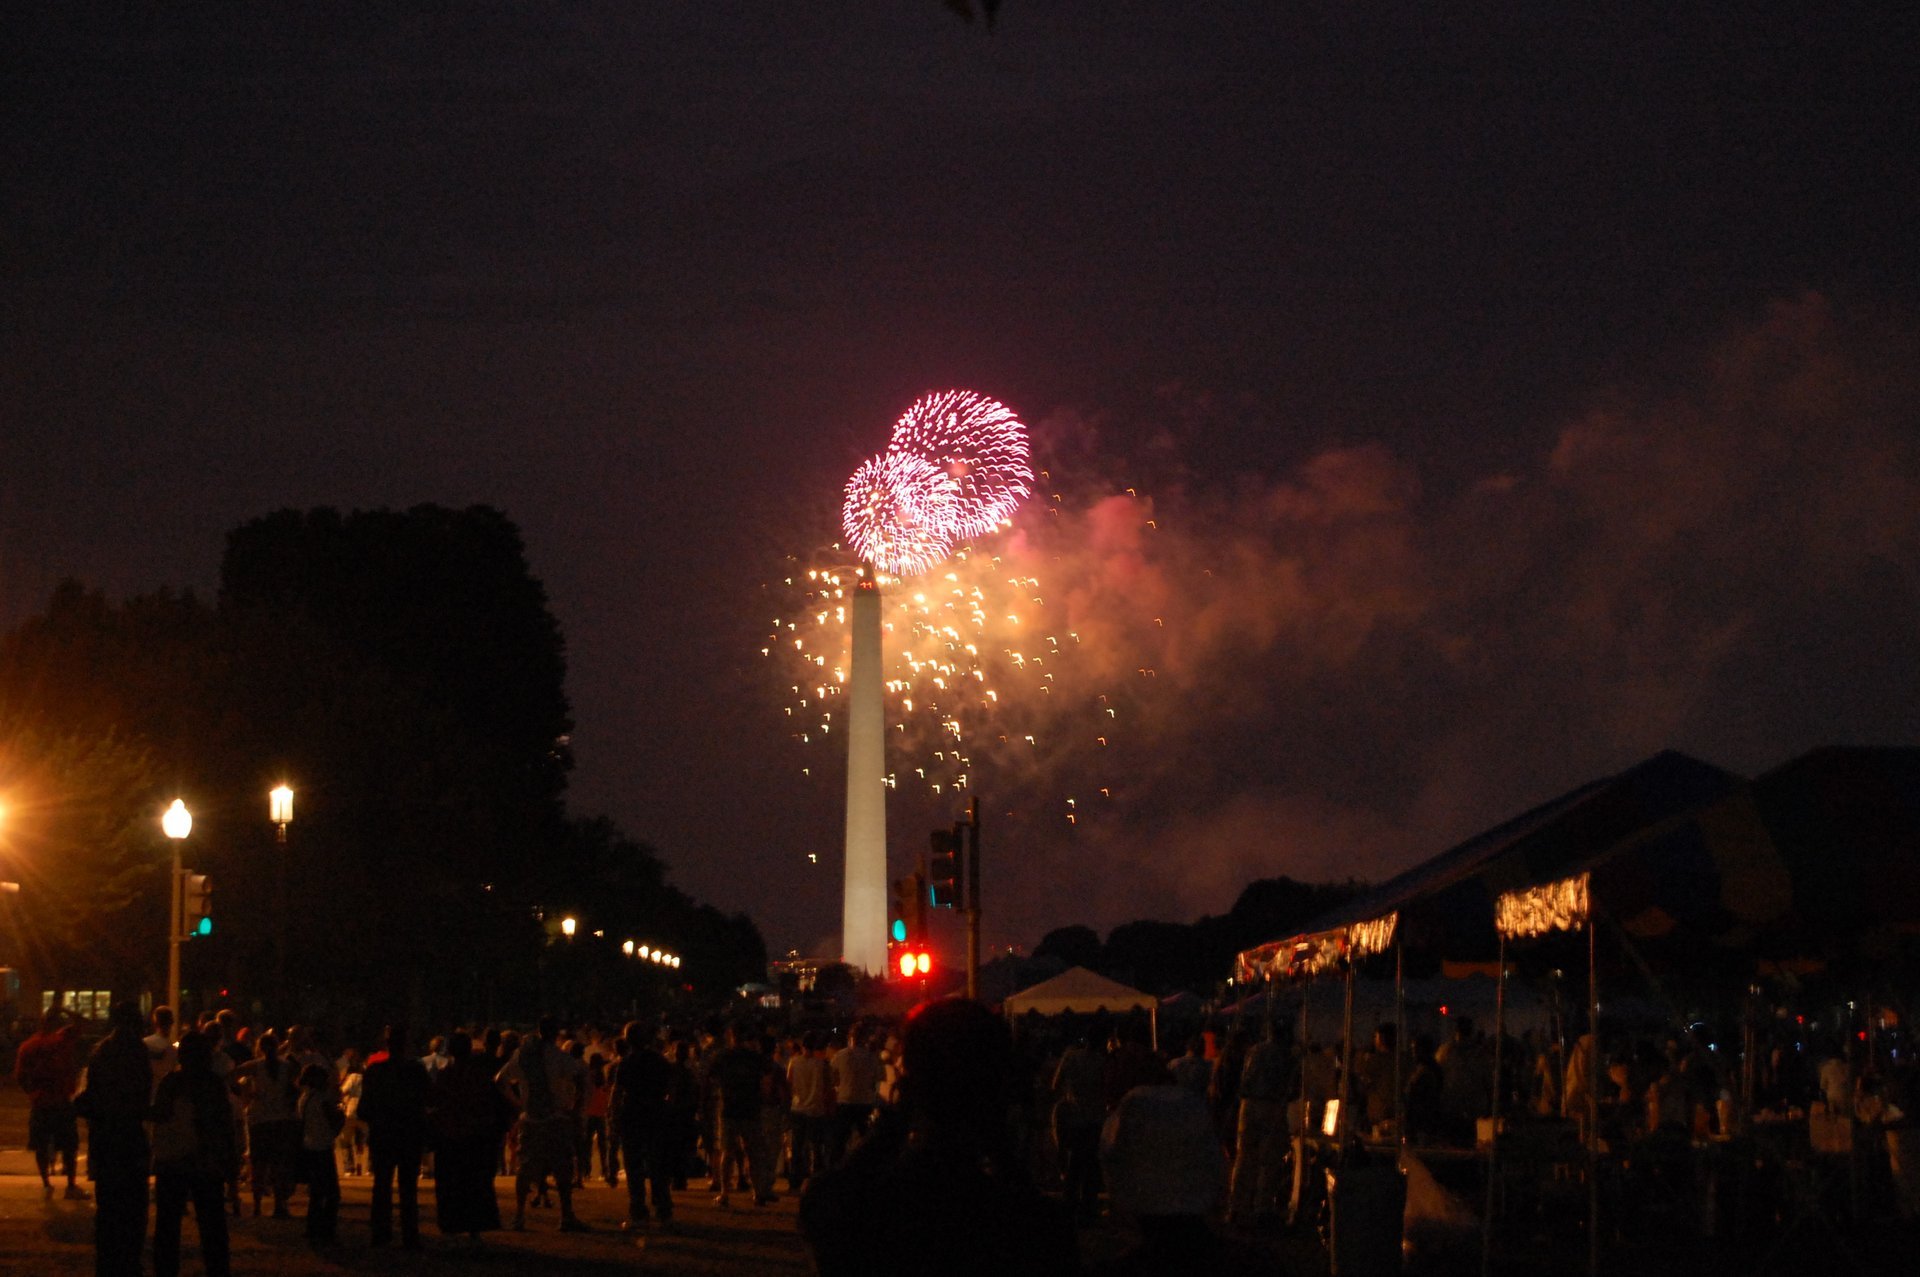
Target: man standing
pixel 393 1104
pixel 638 1110
pixel 736 1078
pixel 119 1088
pixel 856 1088
pixel 810 1083
pixel 548 1086
pixel 48 1068
pixel 1261 1143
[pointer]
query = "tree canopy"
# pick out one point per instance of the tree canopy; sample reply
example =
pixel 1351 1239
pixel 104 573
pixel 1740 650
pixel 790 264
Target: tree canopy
pixel 402 671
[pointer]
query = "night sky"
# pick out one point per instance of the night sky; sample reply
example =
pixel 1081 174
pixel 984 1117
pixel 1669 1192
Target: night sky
pixel 1514 390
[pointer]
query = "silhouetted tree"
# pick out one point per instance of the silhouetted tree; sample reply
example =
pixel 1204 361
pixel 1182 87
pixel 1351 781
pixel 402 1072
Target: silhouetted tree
pixel 1076 946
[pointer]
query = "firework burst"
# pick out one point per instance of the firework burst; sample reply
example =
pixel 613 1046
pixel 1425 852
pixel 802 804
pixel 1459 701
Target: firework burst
pixel 957 468
pixel 900 513
pixel 981 447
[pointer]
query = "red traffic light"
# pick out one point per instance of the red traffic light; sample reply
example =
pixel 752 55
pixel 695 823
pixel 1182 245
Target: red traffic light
pixel 914 962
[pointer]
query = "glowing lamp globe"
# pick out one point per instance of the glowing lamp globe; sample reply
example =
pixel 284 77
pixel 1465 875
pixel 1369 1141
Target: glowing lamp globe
pixel 177 820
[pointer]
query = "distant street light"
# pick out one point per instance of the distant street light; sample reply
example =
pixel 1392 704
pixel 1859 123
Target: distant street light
pixel 177 823
pixel 568 926
pixel 626 947
pixel 280 812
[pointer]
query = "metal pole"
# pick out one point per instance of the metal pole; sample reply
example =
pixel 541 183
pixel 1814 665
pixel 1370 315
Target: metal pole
pixel 973 897
pixel 1493 1143
pixel 280 921
pixel 1306 1111
pixel 1399 1041
pixel 173 936
pixel 1593 1098
pixel 1345 1121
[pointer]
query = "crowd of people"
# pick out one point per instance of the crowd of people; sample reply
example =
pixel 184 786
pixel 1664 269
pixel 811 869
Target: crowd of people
pixel 231 1119
pixel 223 1114
pixel 1069 1117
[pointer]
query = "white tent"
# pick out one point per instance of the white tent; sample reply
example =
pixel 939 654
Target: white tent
pixel 1078 989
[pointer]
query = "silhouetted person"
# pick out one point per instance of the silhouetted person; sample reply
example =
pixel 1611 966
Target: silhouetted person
pixel 1166 1172
pixel 1080 1090
pixel 321 1121
pixel 119 1086
pixel 648 1137
pixel 195 1156
pixel 937 1187
pixel 48 1069
pixel 464 1117
pixel 736 1077
pixel 393 1104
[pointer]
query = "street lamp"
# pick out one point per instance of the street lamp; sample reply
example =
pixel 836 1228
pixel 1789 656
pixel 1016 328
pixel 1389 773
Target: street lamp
pixel 280 812
pixel 568 926
pixel 177 823
pixel 626 947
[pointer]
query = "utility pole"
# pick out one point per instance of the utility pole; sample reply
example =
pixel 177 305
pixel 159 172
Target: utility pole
pixel 973 897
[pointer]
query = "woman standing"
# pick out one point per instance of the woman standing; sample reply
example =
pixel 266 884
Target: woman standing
pixel 273 1123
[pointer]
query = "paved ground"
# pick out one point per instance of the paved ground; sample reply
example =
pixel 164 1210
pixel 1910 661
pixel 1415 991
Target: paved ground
pixel 56 1238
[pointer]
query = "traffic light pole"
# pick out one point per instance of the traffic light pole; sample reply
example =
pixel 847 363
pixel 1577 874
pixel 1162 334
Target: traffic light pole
pixel 973 897
pixel 173 936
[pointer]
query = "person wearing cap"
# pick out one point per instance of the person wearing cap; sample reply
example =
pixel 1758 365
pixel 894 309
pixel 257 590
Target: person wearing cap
pixel 1165 1171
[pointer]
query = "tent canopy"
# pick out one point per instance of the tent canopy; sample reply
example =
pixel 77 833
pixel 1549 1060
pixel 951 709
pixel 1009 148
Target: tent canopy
pixel 1078 989
pixel 1680 839
pixel 1684 857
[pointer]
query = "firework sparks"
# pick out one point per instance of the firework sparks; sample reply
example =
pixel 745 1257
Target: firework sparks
pixel 956 468
pixel 901 512
pixel 979 445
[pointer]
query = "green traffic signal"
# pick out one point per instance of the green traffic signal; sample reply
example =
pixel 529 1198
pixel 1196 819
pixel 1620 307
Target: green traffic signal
pixel 204 927
pixel 899 929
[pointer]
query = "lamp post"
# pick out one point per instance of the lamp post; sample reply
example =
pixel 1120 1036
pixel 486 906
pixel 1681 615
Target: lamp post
pixel 177 822
pixel 280 812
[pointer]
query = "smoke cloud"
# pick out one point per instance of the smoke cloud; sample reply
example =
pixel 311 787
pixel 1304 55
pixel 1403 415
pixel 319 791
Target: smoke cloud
pixel 1344 669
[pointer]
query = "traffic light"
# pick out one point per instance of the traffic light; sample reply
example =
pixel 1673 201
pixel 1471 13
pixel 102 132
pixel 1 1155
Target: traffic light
pixel 196 905
pixel 912 962
pixel 909 910
pixel 943 870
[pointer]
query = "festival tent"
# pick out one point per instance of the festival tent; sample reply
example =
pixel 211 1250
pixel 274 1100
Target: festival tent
pixel 1846 822
pixel 1674 846
pixel 1078 989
